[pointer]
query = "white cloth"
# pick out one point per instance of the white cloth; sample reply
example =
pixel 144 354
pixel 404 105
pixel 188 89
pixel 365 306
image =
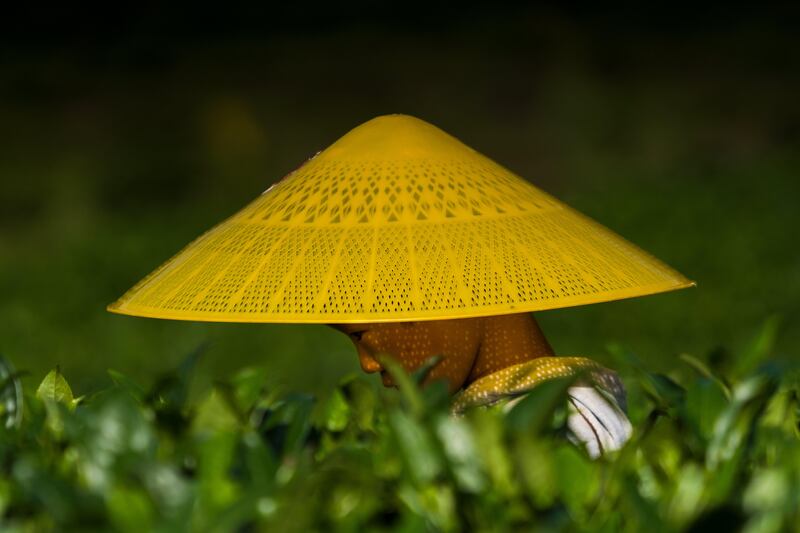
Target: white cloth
pixel 596 422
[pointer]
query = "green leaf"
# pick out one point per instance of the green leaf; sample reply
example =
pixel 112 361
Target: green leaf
pixel 623 357
pixel 419 375
pixel 248 386
pixel 335 412
pixel 123 381
pixel 416 447
pixel 665 393
pixel 663 390
pixel 107 433
pixel 640 513
pixel 578 477
pixel 688 494
pixel 536 467
pixel 288 423
pixel 436 395
pixel 535 410
pixel 363 401
pixel 408 389
pixel 701 368
pixel 171 390
pixel 130 509
pixel 760 347
pixel 768 489
pixel 215 414
pixel 458 442
pixel 216 488
pixel 490 440
pixel 733 434
pixel 735 424
pixel 259 460
pixel 55 388
pixel 705 401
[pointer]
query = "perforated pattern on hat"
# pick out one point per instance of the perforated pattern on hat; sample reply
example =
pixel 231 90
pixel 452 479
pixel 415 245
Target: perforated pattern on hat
pixel 397 221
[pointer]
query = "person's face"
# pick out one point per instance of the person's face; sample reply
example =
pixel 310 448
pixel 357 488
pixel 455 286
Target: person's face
pixel 413 343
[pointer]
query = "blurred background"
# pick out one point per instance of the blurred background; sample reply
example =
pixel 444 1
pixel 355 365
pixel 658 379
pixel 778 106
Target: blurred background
pixel 123 136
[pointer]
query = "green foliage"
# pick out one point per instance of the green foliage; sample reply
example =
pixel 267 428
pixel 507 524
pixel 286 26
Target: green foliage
pixel 709 450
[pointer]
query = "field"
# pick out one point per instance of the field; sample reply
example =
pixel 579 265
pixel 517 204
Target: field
pixel 115 155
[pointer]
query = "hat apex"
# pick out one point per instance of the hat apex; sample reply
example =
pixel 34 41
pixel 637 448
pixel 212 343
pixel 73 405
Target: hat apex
pixel 395 137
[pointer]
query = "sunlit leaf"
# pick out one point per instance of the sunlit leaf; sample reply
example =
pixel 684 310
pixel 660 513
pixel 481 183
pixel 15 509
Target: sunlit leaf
pixel 55 388
pixel 108 431
pixel 736 422
pixel 248 385
pixel 688 495
pixel 457 440
pixel 416 447
pixel 769 489
pixel 335 412
pixel 215 414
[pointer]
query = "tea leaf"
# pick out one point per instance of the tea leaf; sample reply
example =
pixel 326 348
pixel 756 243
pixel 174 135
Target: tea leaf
pixel 55 388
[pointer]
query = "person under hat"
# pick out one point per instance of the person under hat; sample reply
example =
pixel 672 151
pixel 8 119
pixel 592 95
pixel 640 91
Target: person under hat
pixel 415 245
pixel 497 360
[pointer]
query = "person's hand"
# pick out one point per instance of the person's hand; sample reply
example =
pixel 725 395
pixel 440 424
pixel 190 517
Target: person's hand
pixel 596 420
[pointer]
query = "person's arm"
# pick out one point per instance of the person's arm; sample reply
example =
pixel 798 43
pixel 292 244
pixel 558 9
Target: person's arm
pixel 596 420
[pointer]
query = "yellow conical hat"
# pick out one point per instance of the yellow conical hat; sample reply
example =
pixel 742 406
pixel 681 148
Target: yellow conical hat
pixel 395 221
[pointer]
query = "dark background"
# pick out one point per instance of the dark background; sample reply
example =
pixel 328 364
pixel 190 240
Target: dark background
pixel 124 135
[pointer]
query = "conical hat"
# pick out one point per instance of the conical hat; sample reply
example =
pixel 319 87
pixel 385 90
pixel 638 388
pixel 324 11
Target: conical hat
pixel 397 221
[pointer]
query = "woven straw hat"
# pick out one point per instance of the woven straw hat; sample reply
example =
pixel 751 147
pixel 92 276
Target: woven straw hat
pixel 397 221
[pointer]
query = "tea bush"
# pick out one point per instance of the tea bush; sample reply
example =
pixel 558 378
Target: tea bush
pixel 713 446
